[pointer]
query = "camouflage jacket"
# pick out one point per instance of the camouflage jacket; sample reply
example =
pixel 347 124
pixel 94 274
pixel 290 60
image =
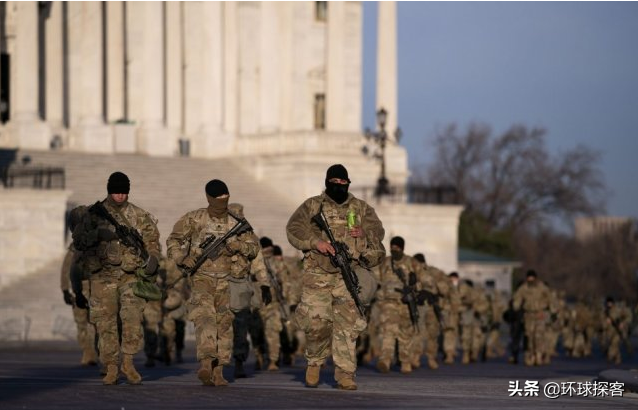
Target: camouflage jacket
pixel 532 298
pixel 390 283
pixel 193 228
pixel 100 254
pixel 303 234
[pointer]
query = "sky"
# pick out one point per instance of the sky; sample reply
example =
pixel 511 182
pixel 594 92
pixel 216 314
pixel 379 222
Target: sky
pixel 569 67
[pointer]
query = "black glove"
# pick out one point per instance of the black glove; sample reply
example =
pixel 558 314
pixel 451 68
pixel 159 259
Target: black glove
pixel 266 297
pixel 412 279
pixel 68 297
pixel 293 308
pixel 81 302
pixel 151 265
pixel 105 235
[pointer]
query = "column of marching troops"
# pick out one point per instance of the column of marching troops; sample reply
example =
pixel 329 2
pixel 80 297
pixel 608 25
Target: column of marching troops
pixel 127 296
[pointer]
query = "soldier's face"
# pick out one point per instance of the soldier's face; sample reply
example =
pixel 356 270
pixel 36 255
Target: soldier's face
pixel 119 198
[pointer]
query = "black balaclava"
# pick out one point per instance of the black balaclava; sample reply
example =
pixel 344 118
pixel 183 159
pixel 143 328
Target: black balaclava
pixel 400 242
pixel 337 192
pixel 217 207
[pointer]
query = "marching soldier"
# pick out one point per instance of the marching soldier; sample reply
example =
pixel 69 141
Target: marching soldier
pixel 533 297
pixel 120 245
pixel 209 306
pixel 327 312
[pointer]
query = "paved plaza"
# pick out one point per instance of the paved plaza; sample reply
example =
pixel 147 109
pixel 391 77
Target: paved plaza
pixel 48 376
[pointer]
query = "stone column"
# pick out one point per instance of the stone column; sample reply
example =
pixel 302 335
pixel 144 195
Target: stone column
pixel 336 67
pixel 25 127
pixel 192 61
pixel 231 68
pixel 211 141
pixel 86 78
pixel 147 63
pixel 270 91
pixel 387 63
pixel 174 68
pixel 115 60
pixel 54 70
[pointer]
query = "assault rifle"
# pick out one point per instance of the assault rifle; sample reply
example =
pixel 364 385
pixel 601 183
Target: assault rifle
pixel 212 246
pixel 409 295
pixel 341 260
pixel 433 301
pixel 279 294
pixel 127 235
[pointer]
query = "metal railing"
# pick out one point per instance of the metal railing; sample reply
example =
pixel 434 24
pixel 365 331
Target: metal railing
pixel 32 176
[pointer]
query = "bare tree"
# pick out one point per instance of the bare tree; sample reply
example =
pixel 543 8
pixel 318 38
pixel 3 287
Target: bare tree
pixel 512 180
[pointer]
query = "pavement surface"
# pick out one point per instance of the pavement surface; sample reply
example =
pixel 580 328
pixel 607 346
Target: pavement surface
pixel 47 376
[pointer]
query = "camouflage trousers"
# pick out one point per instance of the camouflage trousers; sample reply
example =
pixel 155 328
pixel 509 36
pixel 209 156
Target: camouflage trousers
pixel 209 309
pixel 396 326
pixel 330 320
pixel 152 326
pixel 112 295
pixel 536 333
pixel 450 333
pixel 271 317
pixel 85 329
pixel 431 333
pixel 494 347
pixel 472 340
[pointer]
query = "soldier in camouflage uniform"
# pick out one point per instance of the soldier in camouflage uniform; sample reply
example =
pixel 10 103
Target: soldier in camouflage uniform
pixel 451 321
pixel 399 273
pixel 209 304
pixel 275 313
pixel 583 322
pixel 114 267
pixel 79 298
pixel 327 313
pixel 474 311
pixel 555 324
pixel 615 327
pixel 433 325
pixel 497 306
pixel 534 298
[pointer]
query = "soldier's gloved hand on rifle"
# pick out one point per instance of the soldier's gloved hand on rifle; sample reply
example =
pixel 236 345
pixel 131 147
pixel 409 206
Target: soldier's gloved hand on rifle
pixel 105 235
pixel 293 308
pixel 151 265
pixel 188 262
pixel 233 247
pixel 81 302
pixel 325 248
pixel 266 296
pixel 412 279
pixel 68 297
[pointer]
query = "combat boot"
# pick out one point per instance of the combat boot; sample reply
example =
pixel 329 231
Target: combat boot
pixel 218 376
pixel 239 370
pixel 129 371
pixel 88 358
pixel 466 358
pixel 259 361
pixel 272 366
pixel 416 362
pixel 406 368
pixel 312 376
pixel 112 374
pixel 449 358
pixel 383 366
pixel 432 364
pixel 205 372
pixel 345 380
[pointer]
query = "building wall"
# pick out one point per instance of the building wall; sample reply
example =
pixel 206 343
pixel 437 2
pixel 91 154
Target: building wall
pixel 479 273
pixel 31 230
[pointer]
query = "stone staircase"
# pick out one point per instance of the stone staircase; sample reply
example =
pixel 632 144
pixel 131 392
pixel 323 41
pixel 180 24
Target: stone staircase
pixel 32 308
pixel 170 187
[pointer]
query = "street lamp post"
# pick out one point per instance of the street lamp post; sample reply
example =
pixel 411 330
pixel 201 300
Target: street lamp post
pixel 381 137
